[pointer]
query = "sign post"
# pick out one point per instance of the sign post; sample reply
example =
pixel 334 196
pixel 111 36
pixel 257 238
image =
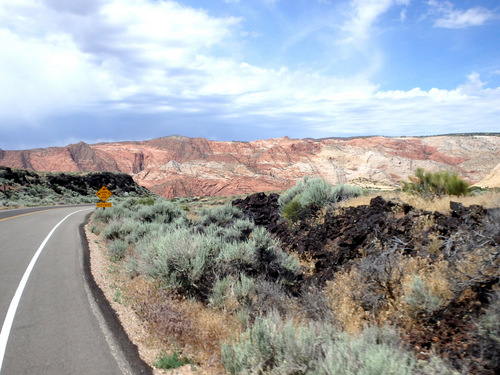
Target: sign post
pixel 104 194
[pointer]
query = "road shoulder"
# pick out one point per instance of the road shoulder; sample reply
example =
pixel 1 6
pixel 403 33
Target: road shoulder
pixel 128 333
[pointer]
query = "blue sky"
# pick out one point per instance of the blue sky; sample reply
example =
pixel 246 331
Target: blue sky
pixel 114 70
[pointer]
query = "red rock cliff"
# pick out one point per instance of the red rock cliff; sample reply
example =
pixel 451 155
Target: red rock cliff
pixel 180 166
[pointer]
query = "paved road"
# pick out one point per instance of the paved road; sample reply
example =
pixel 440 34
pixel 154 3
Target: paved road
pixel 61 324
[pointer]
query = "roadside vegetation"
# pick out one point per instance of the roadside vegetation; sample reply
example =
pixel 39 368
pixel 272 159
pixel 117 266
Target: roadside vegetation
pixel 22 188
pixel 307 283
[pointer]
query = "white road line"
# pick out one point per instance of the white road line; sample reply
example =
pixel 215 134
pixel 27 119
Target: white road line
pixel 9 318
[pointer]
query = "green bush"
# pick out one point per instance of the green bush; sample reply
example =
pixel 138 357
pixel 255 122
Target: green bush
pixel 291 194
pixel 103 216
pixel 141 230
pixel 421 300
pixel 220 291
pixel 220 216
pixel 147 201
pixel 274 346
pixel 117 229
pixel 291 211
pixel 171 361
pixel 260 254
pixel 160 212
pixel 194 262
pixel 311 194
pixel 317 193
pixel 117 249
pixel 430 185
pixel 178 259
pixel 344 192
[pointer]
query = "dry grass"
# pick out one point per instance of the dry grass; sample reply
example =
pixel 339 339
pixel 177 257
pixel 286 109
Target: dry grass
pixel 490 199
pixel 349 289
pixel 344 303
pixel 183 325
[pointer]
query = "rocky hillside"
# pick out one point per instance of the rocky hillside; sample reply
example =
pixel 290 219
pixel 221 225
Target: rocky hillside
pixel 180 166
pixel 19 187
pixel 368 250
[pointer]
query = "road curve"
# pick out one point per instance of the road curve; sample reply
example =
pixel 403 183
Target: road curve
pixel 61 323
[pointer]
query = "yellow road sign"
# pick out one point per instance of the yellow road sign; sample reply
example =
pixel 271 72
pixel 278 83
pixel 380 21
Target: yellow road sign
pixel 103 204
pixel 104 193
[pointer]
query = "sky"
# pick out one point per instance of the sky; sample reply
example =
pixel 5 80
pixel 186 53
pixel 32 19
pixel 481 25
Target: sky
pixel 243 70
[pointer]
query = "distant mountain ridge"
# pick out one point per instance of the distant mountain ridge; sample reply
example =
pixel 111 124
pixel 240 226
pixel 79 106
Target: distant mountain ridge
pixel 180 166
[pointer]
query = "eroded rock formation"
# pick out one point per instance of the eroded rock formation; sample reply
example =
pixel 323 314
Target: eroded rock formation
pixel 180 166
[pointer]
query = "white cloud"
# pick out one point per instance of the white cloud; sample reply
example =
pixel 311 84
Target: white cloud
pixel 359 43
pixel 81 7
pixel 37 78
pixel 451 18
pixel 136 56
pixel 364 14
pixel 51 59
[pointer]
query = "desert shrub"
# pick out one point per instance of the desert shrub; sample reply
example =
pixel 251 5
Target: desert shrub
pixel 311 194
pixel 315 305
pixel 382 276
pixel 474 261
pixel 291 211
pixel 389 286
pixel 244 289
pixel 220 292
pixel 141 230
pixel 160 212
pixel 220 216
pixel 94 228
pixel 192 261
pixel 177 258
pixel 422 302
pixel 377 350
pixel 290 194
pixel 239 231
pixel 489 333
pixel 269 255
pixel 435 184
pixel 117 229
pixel 117 249
pixel 251 296
pixel 317 193
pixel 147 201
pixel 276 346
pixel 103 216
pixel 234 257
pixel 260 254
pixel 345 192
pixel 269 296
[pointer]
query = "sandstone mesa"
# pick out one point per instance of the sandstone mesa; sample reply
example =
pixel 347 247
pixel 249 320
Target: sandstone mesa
pixel 178 166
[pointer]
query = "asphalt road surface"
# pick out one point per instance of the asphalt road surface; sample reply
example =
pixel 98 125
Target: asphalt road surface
pixel 54 320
